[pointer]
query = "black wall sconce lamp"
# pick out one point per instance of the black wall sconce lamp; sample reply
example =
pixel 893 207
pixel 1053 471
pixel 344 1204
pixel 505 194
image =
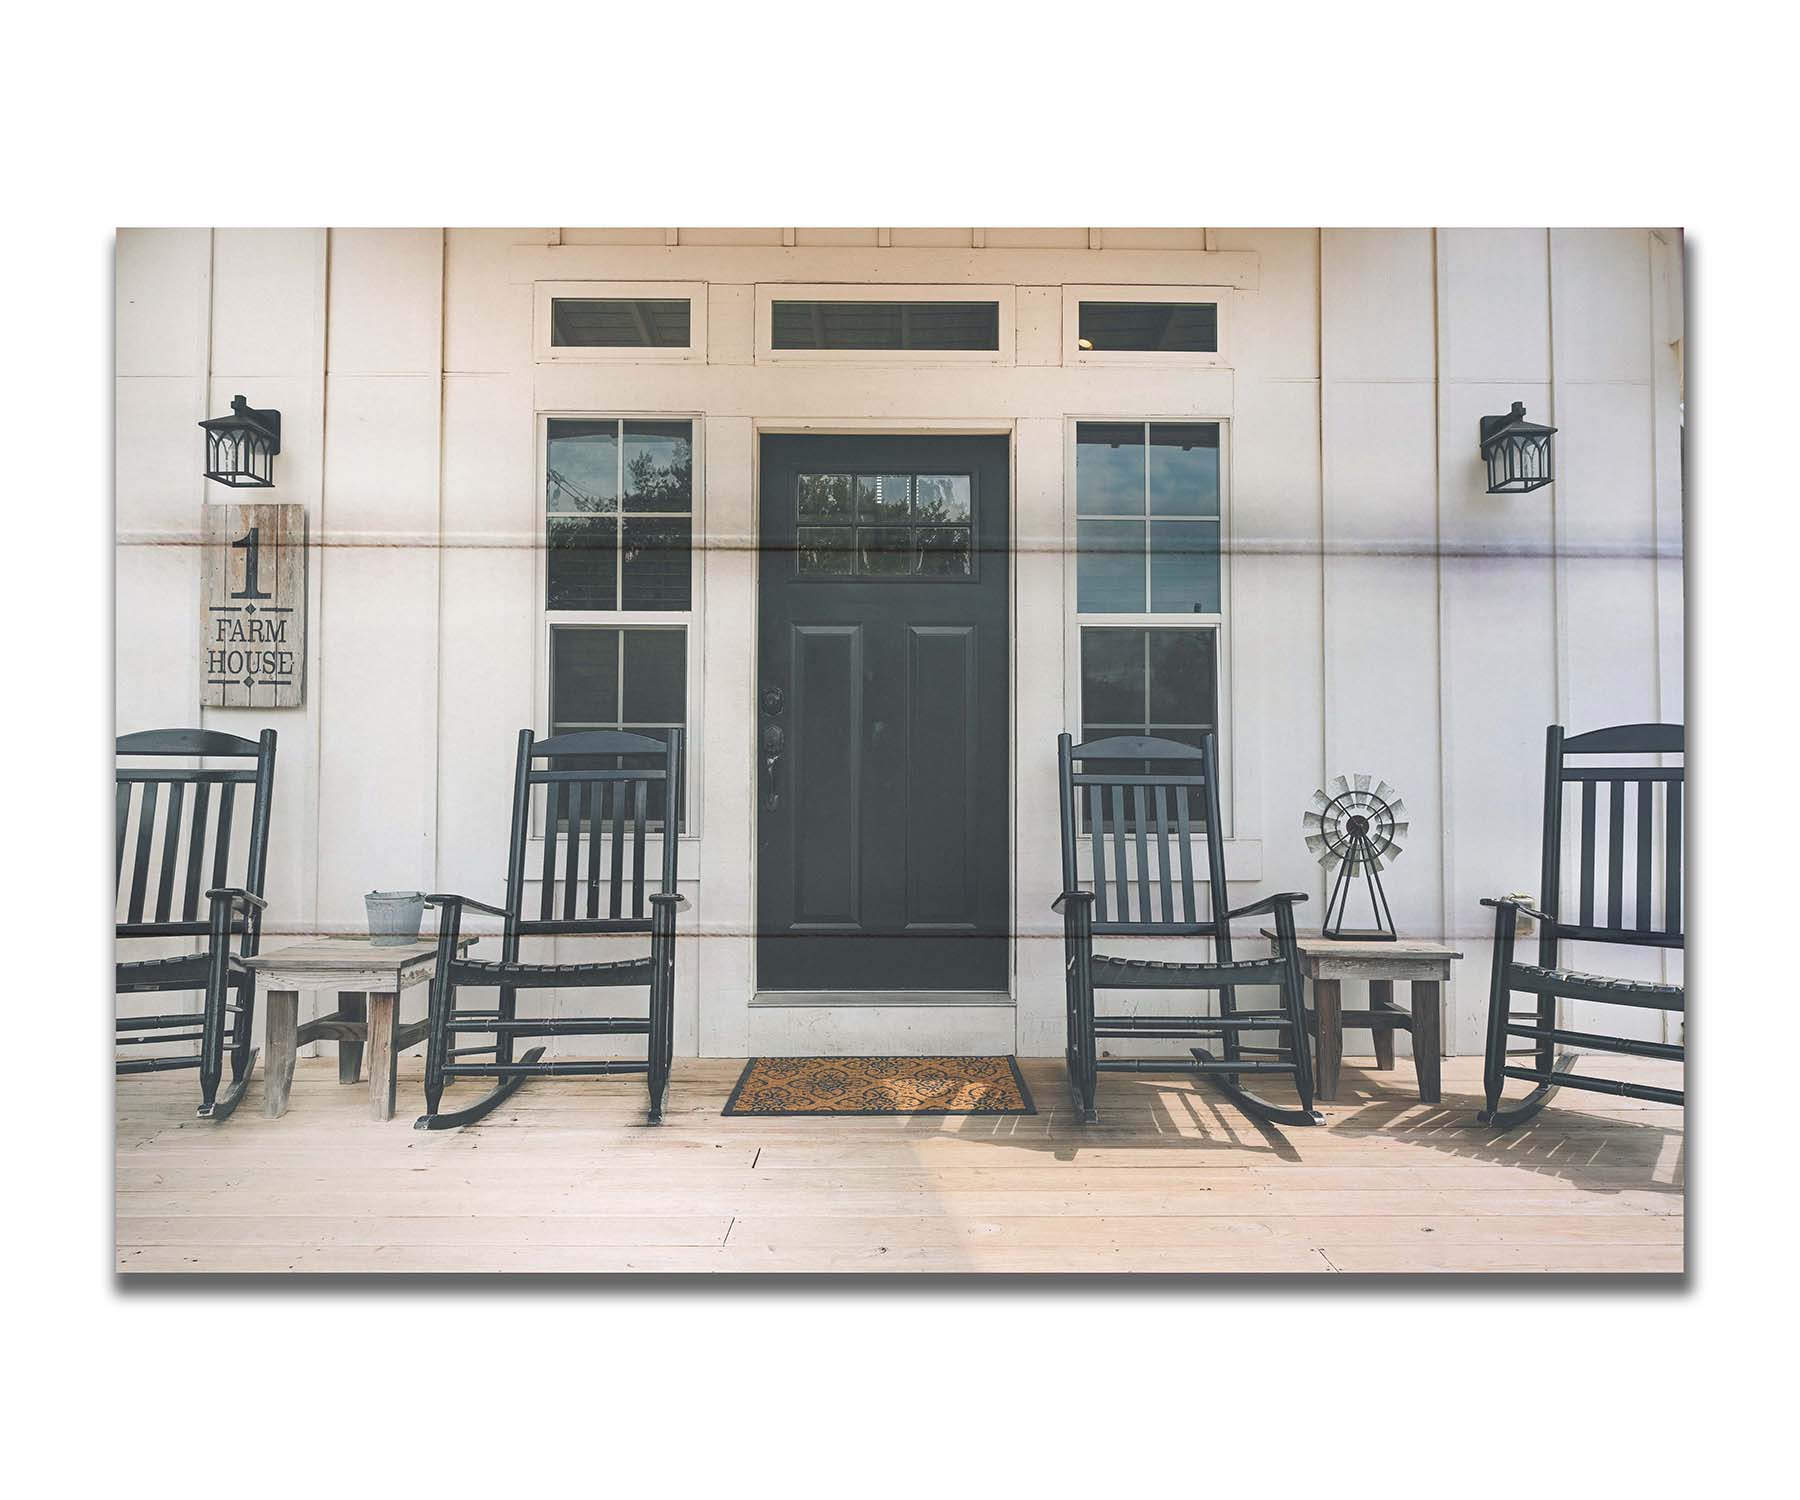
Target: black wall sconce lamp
pixel 1517 452
pixel 241 448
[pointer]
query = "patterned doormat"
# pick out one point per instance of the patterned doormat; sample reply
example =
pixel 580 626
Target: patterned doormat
pixel 880 1086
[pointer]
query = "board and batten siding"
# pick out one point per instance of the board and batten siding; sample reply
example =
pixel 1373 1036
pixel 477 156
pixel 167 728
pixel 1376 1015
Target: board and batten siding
pixel 1385 613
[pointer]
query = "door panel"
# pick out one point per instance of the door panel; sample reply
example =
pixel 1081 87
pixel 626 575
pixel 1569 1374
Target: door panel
pixel 826 758
pixel 882 825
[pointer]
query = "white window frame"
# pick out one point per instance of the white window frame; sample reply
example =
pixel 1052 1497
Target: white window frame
pixel 1074 620
pixel 547 292
pixel 692 619
pixel 1074 355
pixel 769 293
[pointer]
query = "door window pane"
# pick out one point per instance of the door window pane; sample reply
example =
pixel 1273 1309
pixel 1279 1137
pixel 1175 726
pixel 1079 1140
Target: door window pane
pixel 620 322
pixel 826 497
pixel 941 497
pixel 943 551
pixel 903 532
pixel 884 550
pixel 825 549
pixel 884 497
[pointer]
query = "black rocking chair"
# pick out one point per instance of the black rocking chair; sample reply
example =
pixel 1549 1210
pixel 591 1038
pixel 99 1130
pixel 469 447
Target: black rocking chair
pixel 1137 795
pixel 590 798
pixel 1628 916
pixel 163 898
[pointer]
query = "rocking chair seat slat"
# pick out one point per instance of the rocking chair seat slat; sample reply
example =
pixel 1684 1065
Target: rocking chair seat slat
pixel 546 976
pixel 1572 984
pixel 1113 973
pixel 185 971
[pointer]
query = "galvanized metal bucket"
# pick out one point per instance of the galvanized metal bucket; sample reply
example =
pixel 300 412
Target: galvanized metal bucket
pixel 394 917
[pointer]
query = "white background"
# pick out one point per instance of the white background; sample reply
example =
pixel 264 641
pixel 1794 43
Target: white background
pixel 1398 114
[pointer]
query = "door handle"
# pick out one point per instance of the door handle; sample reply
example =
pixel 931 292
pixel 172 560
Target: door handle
pixel 772 739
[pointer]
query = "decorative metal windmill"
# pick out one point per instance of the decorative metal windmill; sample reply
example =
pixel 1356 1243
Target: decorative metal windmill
pixel 1356 826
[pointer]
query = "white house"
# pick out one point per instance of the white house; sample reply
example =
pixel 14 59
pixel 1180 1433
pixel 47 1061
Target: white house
pixel 1173 478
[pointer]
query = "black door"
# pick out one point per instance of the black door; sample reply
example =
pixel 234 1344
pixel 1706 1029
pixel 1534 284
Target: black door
pixel 882 714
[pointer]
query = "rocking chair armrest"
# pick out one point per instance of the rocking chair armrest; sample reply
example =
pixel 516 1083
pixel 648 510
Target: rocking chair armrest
pixel 237 896
pixel 452 900
pixel 1269 903
pixel 1067 896
pixel 1531 911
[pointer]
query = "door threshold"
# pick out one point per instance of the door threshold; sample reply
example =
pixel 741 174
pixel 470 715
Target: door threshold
pixel 871 999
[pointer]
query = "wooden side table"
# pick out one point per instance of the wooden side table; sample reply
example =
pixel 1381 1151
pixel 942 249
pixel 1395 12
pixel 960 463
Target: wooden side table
pixel 1423 966
pixel 369 981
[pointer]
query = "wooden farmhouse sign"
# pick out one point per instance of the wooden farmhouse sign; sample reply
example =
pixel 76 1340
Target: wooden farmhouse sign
pixel 253 607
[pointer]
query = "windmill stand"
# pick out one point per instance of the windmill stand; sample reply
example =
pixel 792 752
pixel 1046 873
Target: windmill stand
pixel 1423 966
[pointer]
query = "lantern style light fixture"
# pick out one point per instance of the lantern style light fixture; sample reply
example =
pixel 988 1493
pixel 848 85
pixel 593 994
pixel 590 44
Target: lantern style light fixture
pixel 241 448
pixel 1517 452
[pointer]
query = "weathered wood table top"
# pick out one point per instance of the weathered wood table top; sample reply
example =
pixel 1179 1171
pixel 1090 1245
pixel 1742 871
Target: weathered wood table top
pixel 1340 958
pixel 350 963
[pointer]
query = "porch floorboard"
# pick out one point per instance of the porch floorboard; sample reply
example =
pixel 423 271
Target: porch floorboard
pixel 567 1177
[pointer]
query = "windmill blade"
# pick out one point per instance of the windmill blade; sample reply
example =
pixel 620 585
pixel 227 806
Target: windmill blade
pixel 1398 833
pixel 1397 807
pixel 1312 820
pixel 1386 793
pixel 1320 801
pixel 1338 786
pixel 1362 782
pixel 1314 844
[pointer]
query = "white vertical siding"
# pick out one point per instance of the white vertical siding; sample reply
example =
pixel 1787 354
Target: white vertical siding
pixel 1385 613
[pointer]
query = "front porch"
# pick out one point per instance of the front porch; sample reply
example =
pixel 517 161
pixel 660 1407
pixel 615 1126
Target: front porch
pixel 568 1178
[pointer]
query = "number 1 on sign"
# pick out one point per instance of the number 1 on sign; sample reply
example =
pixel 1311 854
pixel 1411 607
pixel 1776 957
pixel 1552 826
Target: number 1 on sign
pixel 251 542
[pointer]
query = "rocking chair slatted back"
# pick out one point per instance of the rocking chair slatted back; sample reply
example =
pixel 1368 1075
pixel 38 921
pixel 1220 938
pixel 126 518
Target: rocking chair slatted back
pixel 602 797
pixel 1143 833
pixel 1642 809
pixel 174 837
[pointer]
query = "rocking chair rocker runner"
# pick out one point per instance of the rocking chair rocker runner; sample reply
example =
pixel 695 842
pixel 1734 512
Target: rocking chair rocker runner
pixel 162 898
pixel 1628 915
pixel 1130 810
pixel 590 798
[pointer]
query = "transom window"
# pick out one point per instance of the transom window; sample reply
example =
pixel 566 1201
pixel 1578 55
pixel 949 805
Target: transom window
pixel 1149 327
pixel 620 322
pixel 884 325
pixel 619 500
pixel 884 525
pixel 1147 517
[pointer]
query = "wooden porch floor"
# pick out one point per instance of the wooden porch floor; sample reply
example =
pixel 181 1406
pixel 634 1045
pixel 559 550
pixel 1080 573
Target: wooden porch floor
pixel 568 1178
